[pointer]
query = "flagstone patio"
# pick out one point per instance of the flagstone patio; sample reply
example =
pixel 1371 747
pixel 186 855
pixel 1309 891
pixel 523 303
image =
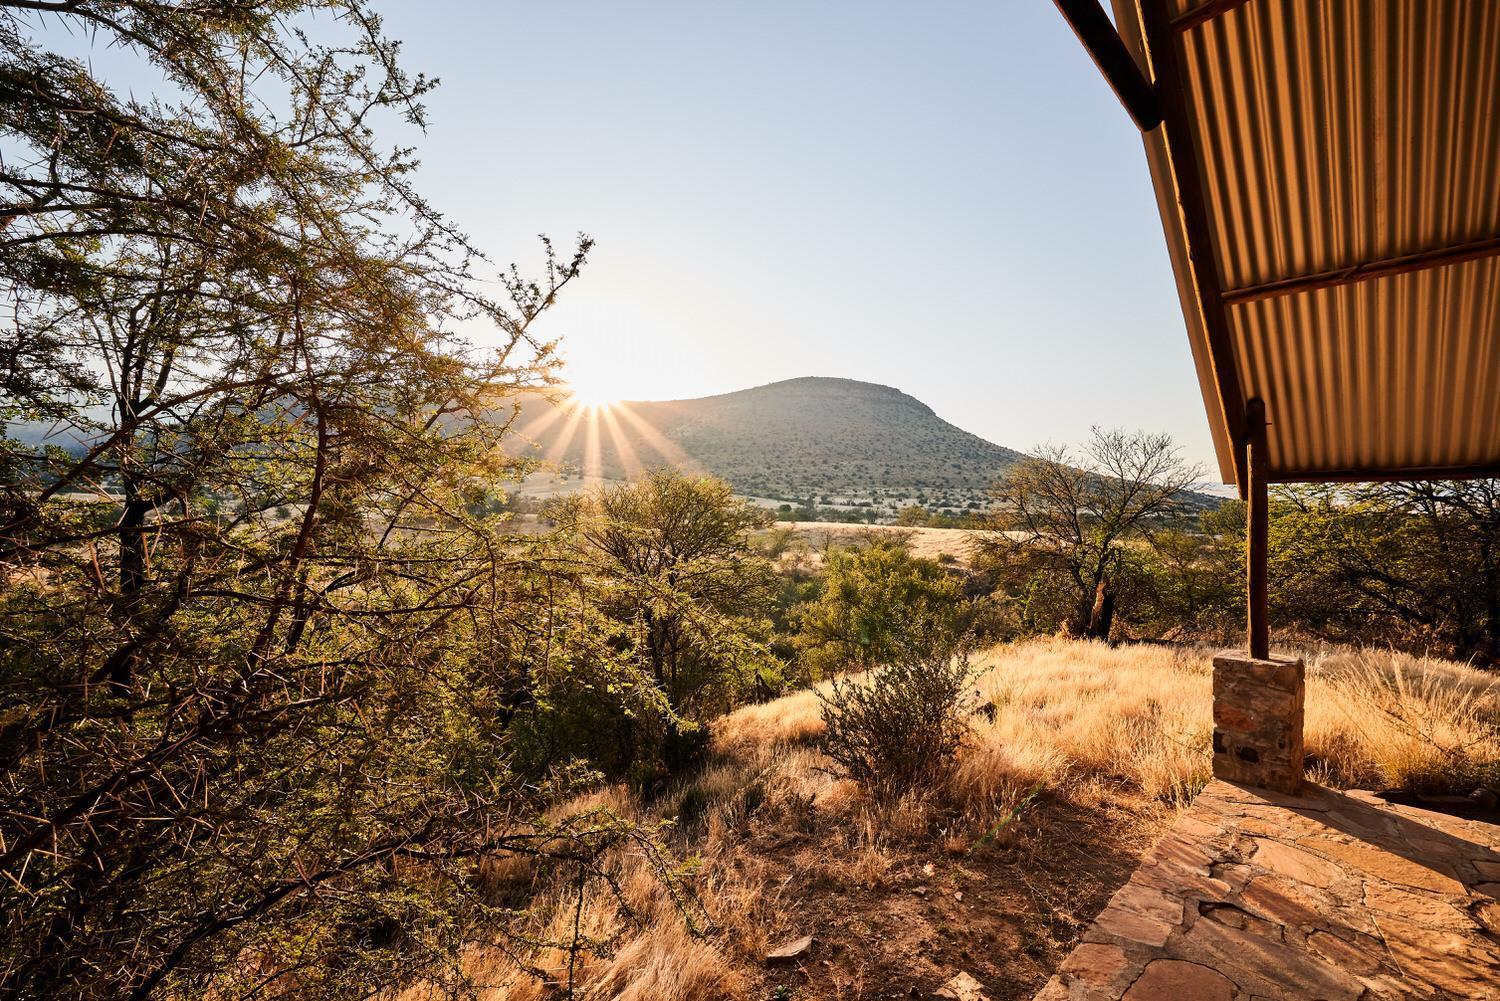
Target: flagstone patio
pixel 1326 895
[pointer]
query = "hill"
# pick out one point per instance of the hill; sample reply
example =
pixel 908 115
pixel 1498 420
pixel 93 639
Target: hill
pixel 835 441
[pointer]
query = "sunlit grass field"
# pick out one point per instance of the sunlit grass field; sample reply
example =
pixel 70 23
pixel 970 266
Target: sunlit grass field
pixel 1075 750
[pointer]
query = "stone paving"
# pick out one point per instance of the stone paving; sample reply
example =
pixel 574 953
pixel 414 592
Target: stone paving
pixel 1330 896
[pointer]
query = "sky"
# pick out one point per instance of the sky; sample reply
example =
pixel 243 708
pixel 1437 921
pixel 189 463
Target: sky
pixel 941 197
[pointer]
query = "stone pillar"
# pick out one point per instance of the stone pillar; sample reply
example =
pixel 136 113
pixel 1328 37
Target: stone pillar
pixel 1258 720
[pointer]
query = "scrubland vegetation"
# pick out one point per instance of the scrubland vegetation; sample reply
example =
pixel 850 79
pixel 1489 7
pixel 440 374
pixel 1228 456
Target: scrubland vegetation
pixel 291 708
pixel 1074 755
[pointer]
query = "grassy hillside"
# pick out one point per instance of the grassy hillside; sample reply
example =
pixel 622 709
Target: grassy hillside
pixel 837 441
pixel 1077 760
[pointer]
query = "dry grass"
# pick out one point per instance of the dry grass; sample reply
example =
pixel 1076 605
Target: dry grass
pixel 634 939
pixel 1078 756
pixel 794 719
pixel 1065 711
pixel 1385 719
pixel 1143 714
pixel 941 544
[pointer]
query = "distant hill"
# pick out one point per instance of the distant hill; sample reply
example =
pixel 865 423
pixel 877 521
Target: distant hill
pixel 835 443
pixel 834 440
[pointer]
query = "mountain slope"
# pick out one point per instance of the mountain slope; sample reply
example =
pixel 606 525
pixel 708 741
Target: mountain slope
pixel 809 437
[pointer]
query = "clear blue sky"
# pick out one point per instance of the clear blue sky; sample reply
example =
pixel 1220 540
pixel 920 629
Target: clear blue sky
pixel 941 197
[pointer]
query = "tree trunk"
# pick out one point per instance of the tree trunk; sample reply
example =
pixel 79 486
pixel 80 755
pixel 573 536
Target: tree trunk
pixel 132 541
pixel 1102 615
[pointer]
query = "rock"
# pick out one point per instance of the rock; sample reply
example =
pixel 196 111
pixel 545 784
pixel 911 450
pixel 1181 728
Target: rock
pixel 1389 867
pixel 1443 957
pixel 1256 961
pixel 1177 980
pixel 1410 906
pixel 1134 927
pixel 1282 901
pixel 928 870
pixel 962 987
pixel 790 951
pixel 1485 799
pixel 1294 863
pixel 1148 902
pixel 1258 711
pixel 1361 956
pixel 1299 901
pixel 1099 966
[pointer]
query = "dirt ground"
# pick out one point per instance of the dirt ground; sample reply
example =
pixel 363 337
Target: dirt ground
pixel 1006 914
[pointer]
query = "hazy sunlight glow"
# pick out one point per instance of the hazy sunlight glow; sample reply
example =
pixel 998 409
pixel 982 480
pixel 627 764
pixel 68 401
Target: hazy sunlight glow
pixel 585 400
pixel 590 390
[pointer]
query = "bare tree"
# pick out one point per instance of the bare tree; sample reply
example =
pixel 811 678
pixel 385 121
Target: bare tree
pixel 1072 518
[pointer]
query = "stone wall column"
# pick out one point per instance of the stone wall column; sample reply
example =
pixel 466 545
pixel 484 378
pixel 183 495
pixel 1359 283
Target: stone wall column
pixel 1258 720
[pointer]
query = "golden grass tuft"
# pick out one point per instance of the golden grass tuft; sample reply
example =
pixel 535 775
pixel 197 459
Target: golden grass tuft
pixel 644 950
pixel 1066 713
pixel 666 963
pixel 1067 709
pixel 1381 718
pixel 792 719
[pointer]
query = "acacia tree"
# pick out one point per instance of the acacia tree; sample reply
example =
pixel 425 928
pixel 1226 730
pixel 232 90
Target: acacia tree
pixel 1192 578
pixel 1065 522
pixel 673 569
pixel 255 647
pixel 1416 562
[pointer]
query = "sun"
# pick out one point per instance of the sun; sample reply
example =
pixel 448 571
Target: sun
pixel 586 398
pixel 589 388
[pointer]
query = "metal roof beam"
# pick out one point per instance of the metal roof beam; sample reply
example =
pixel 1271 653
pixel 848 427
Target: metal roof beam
pixel 1097 33
pixel 1204 13
pixel 1203 264
pixel 1482 471
pixel 1405 264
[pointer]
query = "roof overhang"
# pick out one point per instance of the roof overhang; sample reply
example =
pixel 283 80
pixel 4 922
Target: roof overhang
pixel 1328 178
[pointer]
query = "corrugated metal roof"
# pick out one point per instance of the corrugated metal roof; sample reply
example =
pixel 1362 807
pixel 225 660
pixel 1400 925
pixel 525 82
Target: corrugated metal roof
pixel 1332 134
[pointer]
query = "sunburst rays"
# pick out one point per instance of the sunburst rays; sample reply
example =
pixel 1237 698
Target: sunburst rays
pixel 564 438
pixel 636 444
pixel 593 459
pixel 658 442
pixel 623 448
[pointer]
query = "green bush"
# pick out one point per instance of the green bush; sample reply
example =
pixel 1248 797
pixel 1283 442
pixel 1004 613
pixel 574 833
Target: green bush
pixel 673 610
pixel 873 600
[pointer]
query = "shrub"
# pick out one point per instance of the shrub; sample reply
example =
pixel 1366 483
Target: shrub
pixel 900 724
pixel 873 600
